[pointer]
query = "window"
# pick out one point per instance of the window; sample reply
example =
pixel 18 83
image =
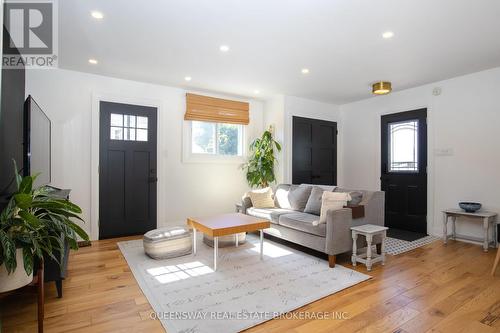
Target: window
pixel 403 146
pixel 214 139
pixel 128 127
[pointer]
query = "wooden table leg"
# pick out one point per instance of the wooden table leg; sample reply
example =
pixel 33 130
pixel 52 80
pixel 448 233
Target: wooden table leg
pixel 41 297
pixel 495 264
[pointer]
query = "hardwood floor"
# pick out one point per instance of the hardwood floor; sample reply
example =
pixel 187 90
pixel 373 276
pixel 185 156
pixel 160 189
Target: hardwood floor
pixel 436 288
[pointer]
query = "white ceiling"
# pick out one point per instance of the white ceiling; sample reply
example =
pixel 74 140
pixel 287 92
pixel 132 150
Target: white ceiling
pixel 162 41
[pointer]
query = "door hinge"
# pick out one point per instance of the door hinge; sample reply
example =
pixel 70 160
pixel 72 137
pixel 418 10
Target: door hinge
pixel 337 132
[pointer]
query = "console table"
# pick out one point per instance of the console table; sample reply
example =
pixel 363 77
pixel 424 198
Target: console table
pixel 482 216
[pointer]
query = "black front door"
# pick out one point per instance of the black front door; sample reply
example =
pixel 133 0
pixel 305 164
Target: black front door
pixel 314 151
pixel 404 170
pixel 127 169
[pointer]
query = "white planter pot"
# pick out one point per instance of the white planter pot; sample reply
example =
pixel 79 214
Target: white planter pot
pixel 16 279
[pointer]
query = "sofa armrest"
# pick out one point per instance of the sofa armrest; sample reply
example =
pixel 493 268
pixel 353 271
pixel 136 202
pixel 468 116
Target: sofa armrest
pixel 245 204
pixel 338 232
pixel 375 209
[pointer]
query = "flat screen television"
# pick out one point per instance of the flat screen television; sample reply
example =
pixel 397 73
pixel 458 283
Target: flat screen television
pixel 36 142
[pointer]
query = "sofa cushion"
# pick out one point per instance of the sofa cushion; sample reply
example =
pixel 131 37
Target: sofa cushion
pixel 356 196
pixel 303 222
pixel 281 196
pixel 262 198
pixel 298 196
pixel 271 214
pixel 332 201
pixel 313 205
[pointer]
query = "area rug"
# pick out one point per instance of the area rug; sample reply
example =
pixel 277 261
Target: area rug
pixel 188 296
pixel 396 246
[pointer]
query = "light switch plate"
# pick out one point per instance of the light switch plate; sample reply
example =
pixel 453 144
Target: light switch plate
pixel 444 152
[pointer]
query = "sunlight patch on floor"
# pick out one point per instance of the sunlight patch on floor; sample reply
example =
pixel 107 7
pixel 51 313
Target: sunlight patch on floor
pixel 271 250
pixel 171 273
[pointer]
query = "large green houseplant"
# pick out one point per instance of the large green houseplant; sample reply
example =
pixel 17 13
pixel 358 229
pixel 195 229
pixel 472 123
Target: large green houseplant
pixel 35 224
pixel 260 166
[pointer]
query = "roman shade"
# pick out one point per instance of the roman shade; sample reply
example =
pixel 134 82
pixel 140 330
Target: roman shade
pixel 217 110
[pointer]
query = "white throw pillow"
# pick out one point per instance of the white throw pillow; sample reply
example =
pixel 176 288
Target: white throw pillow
pixel 331 201
pixel 262 198
pixel 281 197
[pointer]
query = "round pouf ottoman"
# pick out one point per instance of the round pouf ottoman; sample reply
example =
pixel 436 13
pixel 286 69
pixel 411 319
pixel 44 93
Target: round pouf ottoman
pixel 168 242
pixel 225 241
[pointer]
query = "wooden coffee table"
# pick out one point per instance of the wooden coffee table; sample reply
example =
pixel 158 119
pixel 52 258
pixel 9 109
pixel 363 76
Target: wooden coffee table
pixel 227 224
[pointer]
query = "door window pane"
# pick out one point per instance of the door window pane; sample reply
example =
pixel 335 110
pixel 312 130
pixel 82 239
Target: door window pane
pixel 142 122
pixel 116 119
pixel 129 121
pixel 128 127
pixel 203 137
pixel 116 133
pixel 403 146
pixel 129 134
pixel 142 134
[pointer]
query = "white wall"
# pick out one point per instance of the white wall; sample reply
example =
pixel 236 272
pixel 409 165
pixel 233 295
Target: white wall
pixel 183 189
pixel 274 115
pixel 465 118
pixel 279 112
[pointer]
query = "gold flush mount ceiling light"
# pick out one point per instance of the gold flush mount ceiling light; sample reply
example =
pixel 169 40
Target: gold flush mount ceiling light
pixel 381 88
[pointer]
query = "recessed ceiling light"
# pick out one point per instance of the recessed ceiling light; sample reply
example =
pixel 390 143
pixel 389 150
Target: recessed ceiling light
pixel 187 78
pixel 305 70
pixel 93 61
pixel 256 92
pixel 224 48
pixel 388 34
pixel 97 15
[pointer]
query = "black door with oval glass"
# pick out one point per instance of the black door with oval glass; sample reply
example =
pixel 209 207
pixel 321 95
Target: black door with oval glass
pixel 404 170
pixel 127 169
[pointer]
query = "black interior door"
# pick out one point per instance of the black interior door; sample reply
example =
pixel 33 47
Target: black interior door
pixel 127 169
pixel 314 155
pixel 404 170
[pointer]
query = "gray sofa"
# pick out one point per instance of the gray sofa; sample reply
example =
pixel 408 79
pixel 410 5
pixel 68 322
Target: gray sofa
pixel 334 236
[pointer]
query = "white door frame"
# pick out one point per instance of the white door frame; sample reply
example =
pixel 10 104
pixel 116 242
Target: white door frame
pixel 94 152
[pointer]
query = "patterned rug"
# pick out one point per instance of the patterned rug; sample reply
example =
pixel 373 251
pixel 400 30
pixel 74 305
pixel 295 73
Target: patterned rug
pixel 396 246
pixel 188 296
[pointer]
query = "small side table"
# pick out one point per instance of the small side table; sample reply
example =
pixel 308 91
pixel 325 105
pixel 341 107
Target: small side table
pixel 368 230
pixel 482 216
pixel 238 207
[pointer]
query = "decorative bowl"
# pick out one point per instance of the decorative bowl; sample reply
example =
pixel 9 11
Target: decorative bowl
pixel 470 207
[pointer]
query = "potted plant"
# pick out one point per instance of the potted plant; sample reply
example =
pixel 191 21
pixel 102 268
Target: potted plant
pixel 33 225
pixel 260 166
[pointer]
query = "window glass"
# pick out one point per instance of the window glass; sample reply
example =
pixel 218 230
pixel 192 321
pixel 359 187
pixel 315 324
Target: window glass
pixel 403 146
pixel 142 135
pixel 228 139
pixel 116 133
pixel 116 119
pixel 142 122
pixel 216 138
pixel 203 137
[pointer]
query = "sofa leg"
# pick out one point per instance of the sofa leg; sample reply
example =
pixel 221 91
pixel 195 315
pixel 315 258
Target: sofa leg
pixel 379 248
pixel 331 261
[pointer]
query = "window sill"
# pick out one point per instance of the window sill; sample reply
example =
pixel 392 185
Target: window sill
pixel 204 159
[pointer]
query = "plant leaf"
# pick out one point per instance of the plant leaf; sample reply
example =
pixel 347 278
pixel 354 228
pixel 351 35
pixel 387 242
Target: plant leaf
pixel 28 260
